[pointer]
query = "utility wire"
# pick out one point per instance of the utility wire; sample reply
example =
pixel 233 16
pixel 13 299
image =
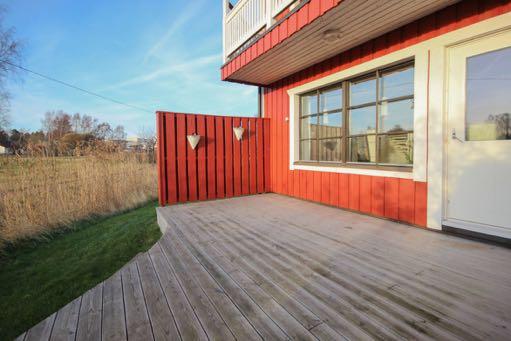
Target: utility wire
pixel 76 87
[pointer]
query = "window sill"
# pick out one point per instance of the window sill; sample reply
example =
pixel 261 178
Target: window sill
pixel 404 172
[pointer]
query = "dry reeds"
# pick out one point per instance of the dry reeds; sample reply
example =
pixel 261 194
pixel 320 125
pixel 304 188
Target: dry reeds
pixel 40 194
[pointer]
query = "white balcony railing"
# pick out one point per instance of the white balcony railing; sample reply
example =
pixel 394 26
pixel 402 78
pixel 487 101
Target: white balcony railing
pixel 246 18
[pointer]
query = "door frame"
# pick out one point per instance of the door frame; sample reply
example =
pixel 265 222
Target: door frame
pixel 452 223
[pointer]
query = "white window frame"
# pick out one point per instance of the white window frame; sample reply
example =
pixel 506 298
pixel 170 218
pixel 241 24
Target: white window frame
pixel 418 172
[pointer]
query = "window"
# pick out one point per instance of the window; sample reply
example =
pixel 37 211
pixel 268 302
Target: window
pixel 488 108
pixel 367 120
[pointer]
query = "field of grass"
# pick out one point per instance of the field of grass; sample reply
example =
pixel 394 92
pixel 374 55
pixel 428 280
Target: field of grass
pixel 38 277
pixel 39 195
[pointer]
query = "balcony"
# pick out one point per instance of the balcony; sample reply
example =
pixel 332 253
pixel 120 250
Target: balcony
pixel 268 40
pixel 247 19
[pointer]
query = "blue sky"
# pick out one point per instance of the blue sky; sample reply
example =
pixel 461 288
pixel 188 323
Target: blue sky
pixel 158 54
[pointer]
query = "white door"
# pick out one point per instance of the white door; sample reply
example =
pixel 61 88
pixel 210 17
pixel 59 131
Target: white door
pixel 478 190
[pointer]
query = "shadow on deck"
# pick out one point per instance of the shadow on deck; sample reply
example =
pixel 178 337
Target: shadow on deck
pixel 272 267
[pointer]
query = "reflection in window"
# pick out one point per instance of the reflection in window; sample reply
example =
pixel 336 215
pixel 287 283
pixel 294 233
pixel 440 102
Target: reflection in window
pixel 488 99
pixel 374 124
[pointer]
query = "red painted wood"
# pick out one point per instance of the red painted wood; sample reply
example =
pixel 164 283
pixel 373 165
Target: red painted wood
pixel 245 168
pixel 303 184
pixel 354 192
pixel 162 179
pixel 344 190
pixel 201 158
pixel 365 193
pixel 211 150
pixel 406 204
pixel 334 189
pixel 229 152
pixel 421 202
pixel 318 189
pixel 325 188
pixel 220 157
pixel 171 165
pixel 252 155
pixel 309 185
pixel 392 198
pixel 260 156
pixel 181 144
pixel 191 159
pixel 378 196
pixel 236 159
pixel 266 155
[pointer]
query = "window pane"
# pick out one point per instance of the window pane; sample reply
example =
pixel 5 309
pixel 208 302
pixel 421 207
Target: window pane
pixel 488 101
pixel 308 150
pixel 330 125
pixel 362 92
pixel 308 127
pixel 362 120
pixel 396 149
pixel 396 116
pixel 362 149
pixel 309 104
pixel 396 83
pixel 330 100
pixel 330 150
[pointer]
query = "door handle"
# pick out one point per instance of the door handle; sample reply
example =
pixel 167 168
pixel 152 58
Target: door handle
pixel 454 136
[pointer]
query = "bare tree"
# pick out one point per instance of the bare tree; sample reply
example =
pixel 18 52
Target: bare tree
pixel 119 133
pixel 10 55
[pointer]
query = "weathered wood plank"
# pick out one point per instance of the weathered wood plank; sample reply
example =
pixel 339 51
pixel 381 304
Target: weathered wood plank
pixel 66 321
pixel 89 323
pixel 231 314
pixel 113 319
pixel 162 321
pixel 42 330
pixel 138 326
pixel 212 322
pixel 186 320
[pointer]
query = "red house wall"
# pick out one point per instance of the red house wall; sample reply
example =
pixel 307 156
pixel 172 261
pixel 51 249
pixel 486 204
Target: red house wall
pixel 400 199
pixel 220 166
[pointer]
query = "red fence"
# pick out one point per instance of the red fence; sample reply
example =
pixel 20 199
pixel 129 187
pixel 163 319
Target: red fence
pixel 220 166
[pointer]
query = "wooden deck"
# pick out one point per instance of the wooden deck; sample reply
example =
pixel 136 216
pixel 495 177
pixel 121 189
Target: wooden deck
pixel 271 267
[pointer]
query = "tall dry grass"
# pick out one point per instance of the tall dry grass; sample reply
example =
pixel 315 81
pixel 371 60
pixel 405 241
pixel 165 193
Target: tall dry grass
pixel 41 194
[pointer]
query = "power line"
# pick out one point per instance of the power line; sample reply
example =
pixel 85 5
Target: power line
pixel 76 87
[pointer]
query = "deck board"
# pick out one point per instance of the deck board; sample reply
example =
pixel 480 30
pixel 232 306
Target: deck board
pixel 273 267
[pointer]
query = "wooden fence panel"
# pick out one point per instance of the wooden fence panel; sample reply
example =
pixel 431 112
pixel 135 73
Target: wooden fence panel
pixel 220 166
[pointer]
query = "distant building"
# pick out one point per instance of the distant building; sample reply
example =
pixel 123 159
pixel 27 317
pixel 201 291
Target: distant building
pixel 4 150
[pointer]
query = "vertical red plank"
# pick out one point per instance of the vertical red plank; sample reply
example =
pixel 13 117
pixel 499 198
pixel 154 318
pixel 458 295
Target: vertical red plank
pixel 314 9
pixel 406 200
pixel 303 184
pixel 317 186
pixel 266 154
pixel 229 153
pixel 310 185
pixel 211 150
pixel 260 155
pixel 181 143
pixel 245 158
pixel 252 153
pixel 161 161
pixel 236 158
pixel 354 192
pixel 421 203
pixel 201 158
pixel 391 198
pixel 279 120
pixel 170 134
pixel 365 193
pixel 220 157
pixel 296 184
pixel 325 188
pixel 344 190
pixel 192 159
pixel 378 196
pixel 334 189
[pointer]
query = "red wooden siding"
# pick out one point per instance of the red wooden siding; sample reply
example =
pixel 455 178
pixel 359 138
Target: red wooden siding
pixel 456 16
pixel 220 166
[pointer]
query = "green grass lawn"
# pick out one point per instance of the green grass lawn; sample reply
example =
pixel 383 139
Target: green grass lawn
pixel 39 277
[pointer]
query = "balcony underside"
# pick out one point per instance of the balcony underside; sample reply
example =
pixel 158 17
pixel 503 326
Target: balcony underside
pixel 356 21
